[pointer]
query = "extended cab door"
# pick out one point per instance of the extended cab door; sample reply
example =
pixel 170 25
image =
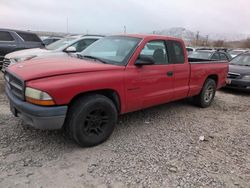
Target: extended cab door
pixel 149 85
pixel 181 69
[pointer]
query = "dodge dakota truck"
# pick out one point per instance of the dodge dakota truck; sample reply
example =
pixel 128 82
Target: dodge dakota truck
pixel 118 74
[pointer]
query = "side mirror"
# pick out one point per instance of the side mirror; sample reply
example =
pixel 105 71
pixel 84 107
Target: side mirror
pixel 70 49
pixel 144 60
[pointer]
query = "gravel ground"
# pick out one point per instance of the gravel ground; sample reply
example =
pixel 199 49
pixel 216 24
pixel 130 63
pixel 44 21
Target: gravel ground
pixel 157 147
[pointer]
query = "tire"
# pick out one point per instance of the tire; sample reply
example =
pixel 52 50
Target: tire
pixel 206 96
pixel 91 120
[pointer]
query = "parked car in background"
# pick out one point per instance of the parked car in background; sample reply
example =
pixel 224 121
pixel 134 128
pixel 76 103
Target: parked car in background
pixel 13 40
pixel 50 40
pixel 239 72
pixel 210 55
pixel 115 75
pixel 42 37
pixel 70 44
pixel 235 53
pixel 190 50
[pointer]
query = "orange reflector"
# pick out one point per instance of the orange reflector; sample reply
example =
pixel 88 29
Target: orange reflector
pixel 40 102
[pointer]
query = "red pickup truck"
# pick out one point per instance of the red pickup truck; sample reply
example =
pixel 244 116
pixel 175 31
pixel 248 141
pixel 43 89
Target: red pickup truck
pixel 116 75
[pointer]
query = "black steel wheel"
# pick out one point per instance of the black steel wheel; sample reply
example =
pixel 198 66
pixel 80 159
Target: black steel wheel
pixel 91 120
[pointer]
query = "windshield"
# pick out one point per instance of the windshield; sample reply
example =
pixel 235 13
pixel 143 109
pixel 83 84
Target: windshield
pixel 243 60
pixel 200 55
pixel 113 49
pixel 60 43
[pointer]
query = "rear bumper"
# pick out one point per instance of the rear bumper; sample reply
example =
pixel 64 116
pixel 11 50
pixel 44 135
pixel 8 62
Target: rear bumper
pixel 45 118
pixel 239 84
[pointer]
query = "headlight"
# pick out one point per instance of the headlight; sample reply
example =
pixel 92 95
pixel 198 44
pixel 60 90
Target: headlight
pixel 246 77
pixel 38 97
pixel 23 58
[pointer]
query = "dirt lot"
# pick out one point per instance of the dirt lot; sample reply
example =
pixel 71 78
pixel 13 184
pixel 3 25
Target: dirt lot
pixel 157 147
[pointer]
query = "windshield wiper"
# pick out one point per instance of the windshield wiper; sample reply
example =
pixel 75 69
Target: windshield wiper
pixel 93 57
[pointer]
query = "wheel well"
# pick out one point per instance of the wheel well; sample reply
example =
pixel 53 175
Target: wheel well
pixel 109 93
pixel 214 77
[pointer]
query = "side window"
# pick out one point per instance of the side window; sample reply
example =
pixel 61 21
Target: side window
pixel 29 37
pixel 223 57
pixel 178 53
pixel 216 56
pixel 156 50
pixel 82 44
pixel 5 36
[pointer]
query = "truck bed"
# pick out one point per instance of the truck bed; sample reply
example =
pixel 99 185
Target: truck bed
pixel 200 70
pixel 197 60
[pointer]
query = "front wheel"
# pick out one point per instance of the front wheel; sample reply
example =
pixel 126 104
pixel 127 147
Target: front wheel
pixel 91 120
pixel 206 96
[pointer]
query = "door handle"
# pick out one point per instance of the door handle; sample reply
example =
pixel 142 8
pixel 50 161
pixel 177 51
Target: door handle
pixel 170 73
pixel 11 45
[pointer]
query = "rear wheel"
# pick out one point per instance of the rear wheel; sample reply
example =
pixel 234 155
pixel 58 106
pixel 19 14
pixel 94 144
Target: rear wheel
pixel 206 96
pixel 91 120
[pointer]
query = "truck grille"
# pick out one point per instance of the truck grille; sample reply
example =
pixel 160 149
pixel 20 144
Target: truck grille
pixel 233 75
pixel 6 63
pixel 15 85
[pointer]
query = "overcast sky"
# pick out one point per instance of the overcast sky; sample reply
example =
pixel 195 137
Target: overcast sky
pixel 110 16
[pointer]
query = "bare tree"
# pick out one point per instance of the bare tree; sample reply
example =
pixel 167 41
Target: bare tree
pixel 219 43
pixel 246 43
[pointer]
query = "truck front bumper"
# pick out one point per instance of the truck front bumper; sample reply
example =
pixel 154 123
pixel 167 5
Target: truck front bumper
pixel 39 117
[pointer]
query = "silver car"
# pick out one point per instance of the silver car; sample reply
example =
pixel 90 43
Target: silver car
pixel 70 44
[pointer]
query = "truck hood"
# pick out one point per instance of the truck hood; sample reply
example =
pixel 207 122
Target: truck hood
pixel 239 69
pixel 53 66
pixel 27 53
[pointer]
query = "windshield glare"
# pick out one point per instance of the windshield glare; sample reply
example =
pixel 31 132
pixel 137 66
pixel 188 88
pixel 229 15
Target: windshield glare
pixel 243 59
pixel 200 55
pixel 60 43
pixel 114 49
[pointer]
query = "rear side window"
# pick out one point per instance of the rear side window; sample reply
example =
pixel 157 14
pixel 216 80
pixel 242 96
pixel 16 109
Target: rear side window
pixel 29 37
pixel 5 36
pixel 178 52
pixel 223 57
pixel 216 56
pixel 82 44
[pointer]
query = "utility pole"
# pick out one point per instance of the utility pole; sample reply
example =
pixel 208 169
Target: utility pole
pixel 206 40
pixel 197 38
pixel 125 29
